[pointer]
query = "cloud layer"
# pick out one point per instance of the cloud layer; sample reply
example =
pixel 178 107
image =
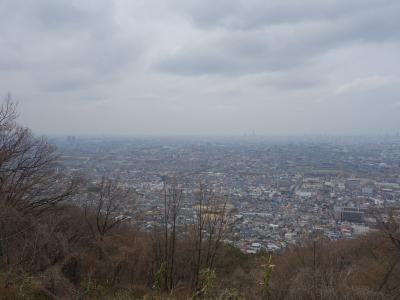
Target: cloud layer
pixel 202 67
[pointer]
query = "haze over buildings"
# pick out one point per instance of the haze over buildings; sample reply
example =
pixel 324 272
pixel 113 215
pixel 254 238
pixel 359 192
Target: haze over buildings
pixel 202 67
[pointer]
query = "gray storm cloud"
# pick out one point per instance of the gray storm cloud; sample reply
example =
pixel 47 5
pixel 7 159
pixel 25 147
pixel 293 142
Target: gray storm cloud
pixel 202 67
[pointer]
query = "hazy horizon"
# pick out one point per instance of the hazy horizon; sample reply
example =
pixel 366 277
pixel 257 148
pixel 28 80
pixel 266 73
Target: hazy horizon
pixel 220 137
pixel 208 68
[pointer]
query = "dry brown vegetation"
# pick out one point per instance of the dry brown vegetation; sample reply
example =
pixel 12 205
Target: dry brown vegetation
pixel 366 268
pixel 50 250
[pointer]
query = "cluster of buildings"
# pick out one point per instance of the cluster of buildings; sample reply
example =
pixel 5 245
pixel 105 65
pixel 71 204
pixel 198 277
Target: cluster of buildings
pixel 280 191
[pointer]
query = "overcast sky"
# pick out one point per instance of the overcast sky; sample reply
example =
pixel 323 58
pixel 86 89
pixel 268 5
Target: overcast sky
pixel 282 67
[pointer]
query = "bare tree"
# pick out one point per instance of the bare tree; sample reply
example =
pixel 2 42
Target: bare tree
pixel 172 205
pixel 202 237
pixel 210 224
pixel 30 183
pixel 106 204
pixel 203 196
pixel 391 231
pixel 166 238
pixel 29 179
pixel 175 200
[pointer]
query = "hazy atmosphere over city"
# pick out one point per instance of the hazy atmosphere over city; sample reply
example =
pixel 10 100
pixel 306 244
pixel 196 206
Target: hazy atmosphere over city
pixel 198 149
pixel 202 67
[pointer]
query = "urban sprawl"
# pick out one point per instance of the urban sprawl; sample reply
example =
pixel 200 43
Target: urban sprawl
pixel 280 191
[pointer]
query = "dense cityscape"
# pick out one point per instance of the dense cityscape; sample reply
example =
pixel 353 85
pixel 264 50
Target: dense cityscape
pixel 280 191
